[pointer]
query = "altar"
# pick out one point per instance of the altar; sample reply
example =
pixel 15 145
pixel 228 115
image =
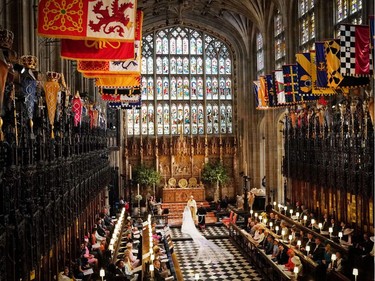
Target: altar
pixel 179 195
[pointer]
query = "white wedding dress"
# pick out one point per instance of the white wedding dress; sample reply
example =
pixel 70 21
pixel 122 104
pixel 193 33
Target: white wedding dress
pixel 208 251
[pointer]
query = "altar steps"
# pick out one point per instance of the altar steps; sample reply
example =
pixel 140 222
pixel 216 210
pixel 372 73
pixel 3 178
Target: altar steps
pixel 176 210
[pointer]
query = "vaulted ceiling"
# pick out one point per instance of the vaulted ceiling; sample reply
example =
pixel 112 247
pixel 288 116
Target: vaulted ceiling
pixel 218 13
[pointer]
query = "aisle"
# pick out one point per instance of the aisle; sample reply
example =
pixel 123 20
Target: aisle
pixel 238 269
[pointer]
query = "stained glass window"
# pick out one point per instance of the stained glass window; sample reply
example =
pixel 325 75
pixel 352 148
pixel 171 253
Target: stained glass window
pixel 186 85
pixel 347 11
pixel 306 15
pixel 280 50
pixel 260 54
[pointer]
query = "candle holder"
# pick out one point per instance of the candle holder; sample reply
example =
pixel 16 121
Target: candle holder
pixel 102 273
pixel 340 235
pixel 299 244
pixel 307 249
pixel 330 230
pixel 355 273
pixel 333 258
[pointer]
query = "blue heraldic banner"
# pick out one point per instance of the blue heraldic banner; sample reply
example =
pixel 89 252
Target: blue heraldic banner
pixel 291 84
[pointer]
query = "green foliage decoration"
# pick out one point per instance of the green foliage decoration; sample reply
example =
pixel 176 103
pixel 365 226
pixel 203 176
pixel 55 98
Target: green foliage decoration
pixel 146 176
pixel 214 172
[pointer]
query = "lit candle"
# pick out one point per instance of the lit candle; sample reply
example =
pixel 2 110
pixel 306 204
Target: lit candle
pixel 330 230
pixel 295 270
pixel 312 223
pixel 333 258
pixel 256 215
pixel 138 188
pixel 290 239
pixel 305 218
pixel 130 172
pixel 297 215
pixel 320 226
pixel 291 212
pixel 271 224
pixel 251 212
pixel 340 235
pixel 355 273
pixel 274 204
pixel 286 209
pixel 299 243
pixel 282 233
pixel 307 249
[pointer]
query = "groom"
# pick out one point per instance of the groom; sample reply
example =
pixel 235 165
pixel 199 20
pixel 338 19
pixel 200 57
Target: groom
pixel 193 208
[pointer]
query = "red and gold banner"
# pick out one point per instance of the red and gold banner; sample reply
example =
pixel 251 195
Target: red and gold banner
pixel 130 66
pixel 96 50
pixel 120 81
pixel 112 20
pixel 102 50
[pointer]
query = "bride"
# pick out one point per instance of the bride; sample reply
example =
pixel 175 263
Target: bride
pixel 208 251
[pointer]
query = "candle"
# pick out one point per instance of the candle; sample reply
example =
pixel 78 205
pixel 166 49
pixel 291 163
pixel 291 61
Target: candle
pixel 295 270
pixel 290 239
pixel 291 212
pixel 277 229
pixel 312 223
pixel 297 214
pixel 130 172
pixel 330 230
pixel 138 188
pixel 251 212
pixel 299 243
pixel 355 273
pixel 340 235
pixel 274 203
pixel 307 249
pixel 320 226
pixel 271 224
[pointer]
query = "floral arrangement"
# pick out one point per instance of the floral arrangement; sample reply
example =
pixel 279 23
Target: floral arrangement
pixel 263 215
pixel 138 197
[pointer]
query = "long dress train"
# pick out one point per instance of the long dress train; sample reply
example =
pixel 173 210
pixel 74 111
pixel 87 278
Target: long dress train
pixel 208 251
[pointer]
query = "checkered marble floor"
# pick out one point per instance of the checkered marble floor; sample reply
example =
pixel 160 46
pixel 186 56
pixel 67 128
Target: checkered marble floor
pixel 238 269
pixel 210 231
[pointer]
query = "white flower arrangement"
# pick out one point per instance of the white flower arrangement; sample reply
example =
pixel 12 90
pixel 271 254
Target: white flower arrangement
pixel 138 197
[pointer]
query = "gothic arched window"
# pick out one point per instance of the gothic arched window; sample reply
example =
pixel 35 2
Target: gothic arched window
pixel 260 54
pixel 186 85
pixel 347 11
pixel 306 16
pixel 280 50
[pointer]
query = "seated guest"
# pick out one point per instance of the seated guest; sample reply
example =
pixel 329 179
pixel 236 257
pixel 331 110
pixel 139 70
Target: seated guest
pixel 269 245
pixel 327 256
pixel 275 248
pixel 99 229
pixel 290 265
pixel 128 253
pixel 254 227
pixel 304 212
pixel 335 228
pixel 348 236
pixel 277 220
pixel 160 273
pixel 125 269
pixel 284 228
pixel 309 242
pixel 107 220
pixel 365 246
pixel 317 253
pixel 282 257
pixel 82 267
pixel 259 235
pixel 337 264
pixel 66 275
pixel 325 224
pixel 86 254
pixel 271 218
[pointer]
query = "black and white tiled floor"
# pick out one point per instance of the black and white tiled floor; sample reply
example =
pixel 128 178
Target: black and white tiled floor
pixel 238 269
pixel 210 232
